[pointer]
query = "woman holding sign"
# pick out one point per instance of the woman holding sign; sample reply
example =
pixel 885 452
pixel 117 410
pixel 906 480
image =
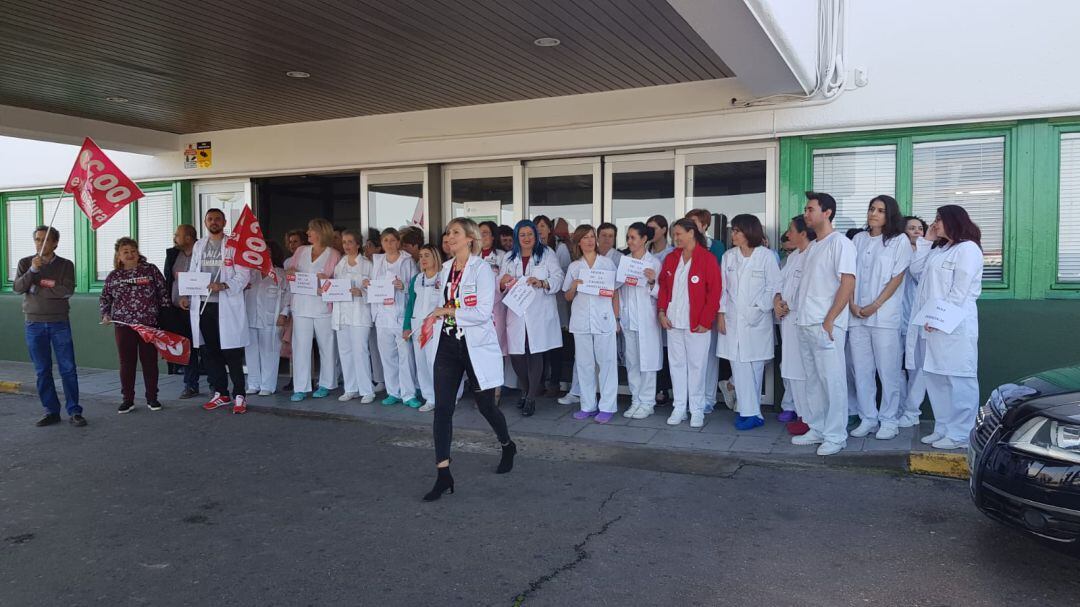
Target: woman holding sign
pixel 531 333
pixel 687 306
pixel 265 298
pixel 423 298
pixel 386 294
pixel 948 264
pixel 463 342
pixel 312 317
pixel 352 322
pixel 594 316
pixel 638 272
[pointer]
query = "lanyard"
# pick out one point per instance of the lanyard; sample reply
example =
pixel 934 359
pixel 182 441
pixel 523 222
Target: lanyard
pixel 452 284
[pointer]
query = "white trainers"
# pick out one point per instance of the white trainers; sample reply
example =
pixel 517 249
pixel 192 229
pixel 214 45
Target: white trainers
pixel 908 420
pixel 887 432
pixel 265 392
pixel 930 439
pixel 630 411
pixel 812 437
pixel 829 448
pixel 948 444
pixel 347 396
pixel 428 406
pixel 380 386
pixel 252 391
pixel 569 399
pixel 697 420
pixel 728 392
pixel 367 399
pixel 865 427
pixel 676 418
pixel 643 411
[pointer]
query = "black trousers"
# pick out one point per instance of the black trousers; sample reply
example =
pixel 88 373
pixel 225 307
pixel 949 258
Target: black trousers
pixel 451 362
pixel 220 364
pixel 530 370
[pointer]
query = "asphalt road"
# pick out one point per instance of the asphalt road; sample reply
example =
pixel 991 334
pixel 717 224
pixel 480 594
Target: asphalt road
pixel 185 507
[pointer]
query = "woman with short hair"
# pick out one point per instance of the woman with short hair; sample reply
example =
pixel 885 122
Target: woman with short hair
pixel 352 322
pixel 389 315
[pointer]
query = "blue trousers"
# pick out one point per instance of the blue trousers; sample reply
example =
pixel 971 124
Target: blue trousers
pixel 42 339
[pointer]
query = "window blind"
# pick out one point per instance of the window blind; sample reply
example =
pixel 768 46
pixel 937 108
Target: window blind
pixel 155 226
pixel 105 238
pixel 969 173
pixel 1069 210
pixel 21 221
pixel 64 223
pixel 854 176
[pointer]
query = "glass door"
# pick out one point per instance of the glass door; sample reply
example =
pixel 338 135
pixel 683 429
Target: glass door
pixel 394 198
pixel 484 192
pixel 567 189
pixel 637 187
pixel 230 196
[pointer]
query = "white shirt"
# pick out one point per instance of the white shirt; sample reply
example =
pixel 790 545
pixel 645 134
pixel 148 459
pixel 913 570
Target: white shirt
pixel 826 262
pixel 590 313
pixel 637 303
pixel 355 313
pixel 614 255
pixel 392 317
pixel 311 306
pixel 265 299
pixel 877 264
pixel 678 311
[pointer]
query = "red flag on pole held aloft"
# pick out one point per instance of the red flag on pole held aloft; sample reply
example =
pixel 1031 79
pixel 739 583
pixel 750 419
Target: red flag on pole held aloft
pixel 246 246
pixel 173 348
pixel 100 188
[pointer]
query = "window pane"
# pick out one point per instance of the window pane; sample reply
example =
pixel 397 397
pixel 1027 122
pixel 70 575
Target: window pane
pixel 393 205
pixel 230 203
pixel 854 176
pixel 64 223
pixel 971 174
pixel 640 195
pixel 105 238
pixel 1069 210
pixel 21 221
pixel 569 197
pixel 483 198
pixel 728 189
pixel 156 226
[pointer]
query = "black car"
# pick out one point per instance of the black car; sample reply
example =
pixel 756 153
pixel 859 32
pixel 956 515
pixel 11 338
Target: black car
pixel 1024 455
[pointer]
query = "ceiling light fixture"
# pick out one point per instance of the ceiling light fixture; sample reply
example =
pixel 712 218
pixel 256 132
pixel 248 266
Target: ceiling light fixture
pixel 547 41
pixel 117 99
pixel 297 74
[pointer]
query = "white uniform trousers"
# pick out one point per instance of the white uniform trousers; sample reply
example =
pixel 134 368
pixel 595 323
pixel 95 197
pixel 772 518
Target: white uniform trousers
pixel 397 360
pixel 826 382
pixel 262 356
pixel 915 389
pixel 880 351
pixel 852 395
pixel 376 360
pixel 712 375
pixel 796 389
pixel 424 369
pixel 352 345
pixel 748 378
pixel 688 353
pixel 955 401
pixel 595 352
pixel 642 383
pixel 788 402
pixel 321 329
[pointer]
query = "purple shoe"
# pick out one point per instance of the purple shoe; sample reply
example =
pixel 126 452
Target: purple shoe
pixel 603 418
pixel 787 416
pixel 579 415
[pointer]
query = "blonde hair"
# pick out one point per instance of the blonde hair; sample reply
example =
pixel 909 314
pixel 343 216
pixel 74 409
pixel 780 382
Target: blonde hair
pixel 471 231
pixel 325 230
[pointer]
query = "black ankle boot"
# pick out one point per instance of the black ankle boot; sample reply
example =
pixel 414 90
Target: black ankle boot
pixel 529 408
pixel 521 402
pixel 443 483
pixel 506 464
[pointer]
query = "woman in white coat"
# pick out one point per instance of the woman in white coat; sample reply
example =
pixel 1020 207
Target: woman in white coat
pixel 883 254
pixel 948 264
pixel 915 386
pixel 594 320
pixel 266 299
pixel 352 322
pixel 423 298
pixel 396 354
pixel 791 366
pixel 494 256
pixel 640 327
pixel 528 337
pixel 311 315
pixel 745 334
pixel 463 342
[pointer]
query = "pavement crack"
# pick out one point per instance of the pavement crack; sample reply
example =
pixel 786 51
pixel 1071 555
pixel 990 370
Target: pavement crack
pixel 732 474
pixel 607 499
pixel 581 554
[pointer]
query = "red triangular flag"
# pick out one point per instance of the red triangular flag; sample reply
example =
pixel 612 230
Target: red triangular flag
pixel 100 188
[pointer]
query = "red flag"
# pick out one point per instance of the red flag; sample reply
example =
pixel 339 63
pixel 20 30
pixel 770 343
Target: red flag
pixel 100 188
pixel 173 348
pixel 427 330
pixel 246 245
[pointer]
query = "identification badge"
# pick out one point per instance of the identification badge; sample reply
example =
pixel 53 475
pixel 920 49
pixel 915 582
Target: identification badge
pixel 48 283
pixel 695 279
pixel 389 301
pixel 468 295
pixel 758 273
pixel 948 265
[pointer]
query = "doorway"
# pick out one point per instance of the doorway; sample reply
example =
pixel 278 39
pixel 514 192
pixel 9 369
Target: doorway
pixel 289 202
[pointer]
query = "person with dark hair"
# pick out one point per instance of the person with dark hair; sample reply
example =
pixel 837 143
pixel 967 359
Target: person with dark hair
pixel 372 244
pixel 174 318
pixel 821 308
pixel 792 371
pixel 294 239
pixel 266 300
pixel 494 256
pixel 46 281
pixel 389 316
pixel 337 239
pixel 659 246
pixel 883 255
pixel 412 238
pixel 687 306
pixel 134 293
pixel 949 265
pixel 529 336
pixel 351 321
pixel 606 234
pixel 545 231
pixel 506 238
pixel 640 327
pixel 915 386
pixel 750 276
pixel 702 218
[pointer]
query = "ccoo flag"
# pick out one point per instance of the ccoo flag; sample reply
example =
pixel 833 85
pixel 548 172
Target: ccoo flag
pixel 100 188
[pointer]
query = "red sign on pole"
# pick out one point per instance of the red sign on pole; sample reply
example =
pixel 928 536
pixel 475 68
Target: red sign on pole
pixel 173 348
pixel 246 245
pixel 100 188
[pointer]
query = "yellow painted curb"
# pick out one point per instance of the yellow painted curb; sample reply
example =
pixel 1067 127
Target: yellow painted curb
pixel 952 465
pixel 10 387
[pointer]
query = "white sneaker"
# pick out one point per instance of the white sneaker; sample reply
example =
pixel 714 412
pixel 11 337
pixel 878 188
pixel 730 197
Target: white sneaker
pixel 865 427
pixel 265 392
pixel 676 418
pixel 812 437
pixel 569 399
pixel 948 444
pixel 697 420
pixel 367 399
pixel 728 392
pixel 380 386
pixel 829 448
pixel 643 411
pixel 252 391
pixel 428 406
pixel 630 411
pixel 930 439
pixel 887 432
pixel 908 420
pixel 347 396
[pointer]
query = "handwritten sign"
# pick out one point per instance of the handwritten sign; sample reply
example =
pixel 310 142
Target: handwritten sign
pixel 336 289
pixel 631 271
pixel 519 298
pixel 304 283
pixel 381 291
pixel 939 314
pixel 193 284
pixel 597 282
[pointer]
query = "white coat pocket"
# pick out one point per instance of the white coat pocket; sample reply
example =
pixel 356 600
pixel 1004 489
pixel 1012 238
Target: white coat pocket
pixel 825 342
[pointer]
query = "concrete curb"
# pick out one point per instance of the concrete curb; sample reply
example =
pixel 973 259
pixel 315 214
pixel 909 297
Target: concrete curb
pixel 11 387
pixel 949 465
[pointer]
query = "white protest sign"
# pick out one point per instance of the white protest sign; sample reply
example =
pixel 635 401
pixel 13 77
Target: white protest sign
pixel 631 271
pixel 336 289
pixel 519 298
pixel 304 283
pixel 381 291
pixel 939 314
pixel 193 284
pixel 597 282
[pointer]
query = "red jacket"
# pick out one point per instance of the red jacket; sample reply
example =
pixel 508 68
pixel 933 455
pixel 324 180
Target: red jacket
pixel 703 283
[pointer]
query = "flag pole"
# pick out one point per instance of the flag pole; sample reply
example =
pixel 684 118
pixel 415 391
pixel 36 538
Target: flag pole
pixel 48 230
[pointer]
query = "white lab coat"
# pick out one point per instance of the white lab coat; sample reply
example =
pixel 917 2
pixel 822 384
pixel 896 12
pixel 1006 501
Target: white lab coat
pixel 589 313
pixel 952 273
pixel 355 313
pixel 475 320
pixel 878 264
pixel 541 323
pixel 791 366
pixel 232 309
pixel 637 312
pixel 749 286
pixel 391 317
pixel 266 299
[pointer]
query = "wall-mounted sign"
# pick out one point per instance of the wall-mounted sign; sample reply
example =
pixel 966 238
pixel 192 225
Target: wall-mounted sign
pixel 198 155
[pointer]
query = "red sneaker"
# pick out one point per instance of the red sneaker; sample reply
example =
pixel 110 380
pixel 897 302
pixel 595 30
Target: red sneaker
pixel 239 405
pixel 217 401
pixel 798 428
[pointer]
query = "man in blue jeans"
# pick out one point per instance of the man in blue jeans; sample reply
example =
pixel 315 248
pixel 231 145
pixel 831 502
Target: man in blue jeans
pixel 46 282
